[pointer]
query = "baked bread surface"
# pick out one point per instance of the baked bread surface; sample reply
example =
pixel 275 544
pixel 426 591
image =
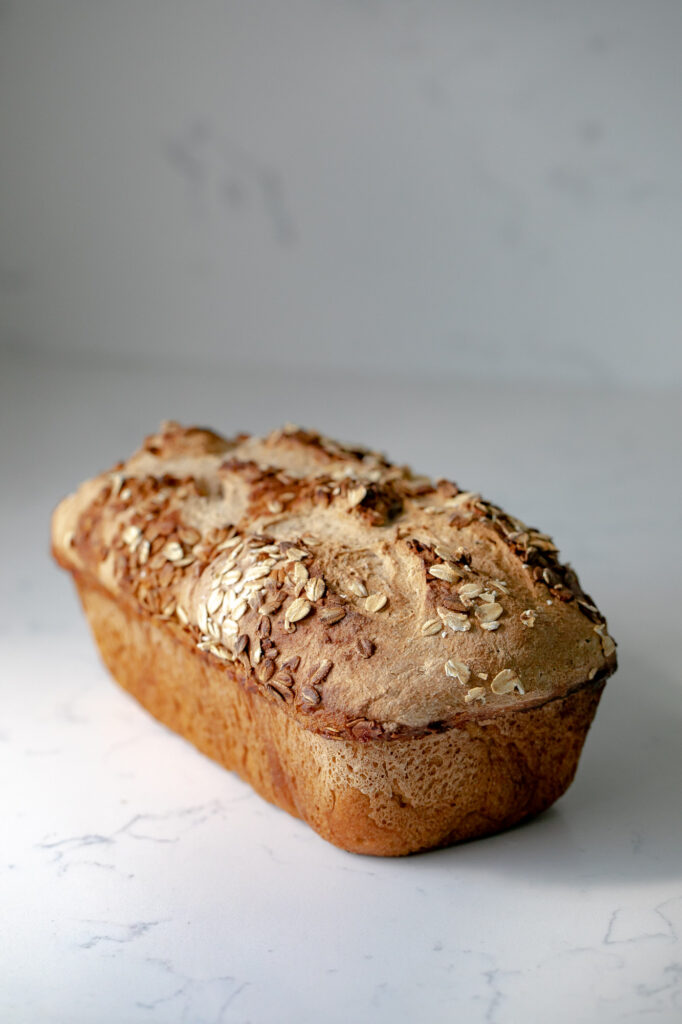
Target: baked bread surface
pixel 359 608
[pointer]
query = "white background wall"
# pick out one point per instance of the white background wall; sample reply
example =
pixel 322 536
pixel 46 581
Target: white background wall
pixel 472 189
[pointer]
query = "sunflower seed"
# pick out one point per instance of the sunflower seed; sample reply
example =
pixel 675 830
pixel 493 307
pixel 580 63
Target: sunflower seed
pixel 320 673
pixel 265 670
pixel 332 614
pixel 365 647
pixel 241 643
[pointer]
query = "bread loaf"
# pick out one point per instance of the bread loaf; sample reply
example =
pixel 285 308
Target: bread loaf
pixel 401 664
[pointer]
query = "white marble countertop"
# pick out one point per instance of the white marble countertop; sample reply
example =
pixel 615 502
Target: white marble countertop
pixel 139 882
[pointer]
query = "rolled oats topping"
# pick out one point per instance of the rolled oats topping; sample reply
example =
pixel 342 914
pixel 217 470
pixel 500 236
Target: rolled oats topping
pixel 277 557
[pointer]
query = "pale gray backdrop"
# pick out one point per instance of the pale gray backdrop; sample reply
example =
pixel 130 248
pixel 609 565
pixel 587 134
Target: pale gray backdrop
pixel 467 188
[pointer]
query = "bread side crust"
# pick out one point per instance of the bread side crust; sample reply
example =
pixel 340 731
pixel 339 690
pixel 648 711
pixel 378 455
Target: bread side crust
pixel 373 797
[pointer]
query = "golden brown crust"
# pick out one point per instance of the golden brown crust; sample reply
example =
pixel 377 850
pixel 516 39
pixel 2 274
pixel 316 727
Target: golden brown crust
pixel 374 797
pixel 401 664
pixel 367 601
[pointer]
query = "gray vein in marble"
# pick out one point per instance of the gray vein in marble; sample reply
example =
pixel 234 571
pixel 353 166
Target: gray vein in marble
pixel 629 926
pixel 127 932
pixel 169 828
pixel 200 1000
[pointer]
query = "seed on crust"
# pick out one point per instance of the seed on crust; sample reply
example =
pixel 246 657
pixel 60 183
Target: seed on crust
pixel 300 573
pixel 296 554
pixel 283 692
pixel 528 617
pixel 265 670
pixel 230 628
pixel 444 572
pixel 131 534
pixel 297 610
pixel 458 670
pixel 320 672
pixel 264 627
pixel 332 615
pixel 458 622
pixel 365 647
pixel 173 551
pixel 463 498
pixel 431 627
pixel 315 588
pixel 444 553
pixel 239 610
pixel 490 627
pixel 469 591
pixel 375 602
pixel 488 612
pixel 356 495
pixel 285 678
pixel 257 572
pixel 215 599
pixel 230 577
pixel 241 643
pixel 310 695
pixel 607 642
pixel 220 652
pixel 506 681
pixel 475 693
pixel 357 587
pixel 181 614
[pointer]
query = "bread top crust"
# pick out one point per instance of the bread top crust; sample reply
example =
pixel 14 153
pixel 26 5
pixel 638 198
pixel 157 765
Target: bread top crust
pixel 366 601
